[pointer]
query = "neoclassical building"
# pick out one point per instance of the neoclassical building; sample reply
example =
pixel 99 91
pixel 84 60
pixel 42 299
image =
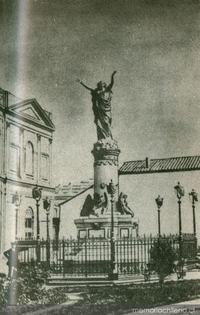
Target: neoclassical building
pixel 26 135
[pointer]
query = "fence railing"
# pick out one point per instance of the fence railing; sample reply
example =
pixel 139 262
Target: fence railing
pixel 91 257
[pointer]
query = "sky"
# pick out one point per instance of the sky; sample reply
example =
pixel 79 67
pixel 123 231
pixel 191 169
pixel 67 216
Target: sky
pixel 154 46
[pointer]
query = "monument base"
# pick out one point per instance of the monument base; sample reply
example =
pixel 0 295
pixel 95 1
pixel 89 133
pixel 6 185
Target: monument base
pixel 100 227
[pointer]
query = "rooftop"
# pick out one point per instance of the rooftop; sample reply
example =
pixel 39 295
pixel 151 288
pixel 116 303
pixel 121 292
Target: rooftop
pixel 176 164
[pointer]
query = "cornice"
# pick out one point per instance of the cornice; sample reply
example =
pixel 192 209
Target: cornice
pixel 30 121
pixel 23 128
pixel 27 185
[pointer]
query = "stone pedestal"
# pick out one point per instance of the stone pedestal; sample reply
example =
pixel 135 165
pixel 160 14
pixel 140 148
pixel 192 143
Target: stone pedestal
pixel 100 227
pixel 95 218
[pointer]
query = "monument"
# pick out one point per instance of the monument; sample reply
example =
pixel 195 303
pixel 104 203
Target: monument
pixel 106 213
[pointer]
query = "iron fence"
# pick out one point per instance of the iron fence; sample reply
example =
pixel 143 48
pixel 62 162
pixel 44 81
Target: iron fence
pixel 91 257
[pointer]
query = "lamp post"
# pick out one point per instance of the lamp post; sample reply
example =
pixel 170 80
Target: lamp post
pixel 16 200
pixel 159 202
pixel 194 198
pixel 111 189
pixel 179 192
pixel 37 194
pixel 47 205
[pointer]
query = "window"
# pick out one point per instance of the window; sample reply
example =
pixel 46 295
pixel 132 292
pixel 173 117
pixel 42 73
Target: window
pixel 29 159
pixel 14 159
pixel 45 166
pixel 28 235
pixel 29 223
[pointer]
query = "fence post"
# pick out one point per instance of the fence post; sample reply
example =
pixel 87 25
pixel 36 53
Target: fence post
pixel 85 257
pixel 38 250
pixel 195 247
pixel 63 256
pixel 48 252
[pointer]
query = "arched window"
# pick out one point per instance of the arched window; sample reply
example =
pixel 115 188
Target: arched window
pixel 29 159
pixel 29 223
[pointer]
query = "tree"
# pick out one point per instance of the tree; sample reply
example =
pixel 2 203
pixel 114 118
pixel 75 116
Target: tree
pixel 162 259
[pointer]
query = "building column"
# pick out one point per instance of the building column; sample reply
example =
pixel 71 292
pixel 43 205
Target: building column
pixel 21 141
pixel 38 157
pixel 7 146
pixel 50 161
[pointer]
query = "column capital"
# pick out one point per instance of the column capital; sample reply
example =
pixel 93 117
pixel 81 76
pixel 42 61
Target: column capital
pixel 106 149
pixel 21 129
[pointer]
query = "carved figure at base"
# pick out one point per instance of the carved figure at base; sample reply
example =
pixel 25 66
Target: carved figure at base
pixel 101 100
pixel 101 203
pixel 123 205
pixel 94 206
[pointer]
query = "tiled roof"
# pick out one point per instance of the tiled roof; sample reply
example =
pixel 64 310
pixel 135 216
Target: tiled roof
pixel 176 164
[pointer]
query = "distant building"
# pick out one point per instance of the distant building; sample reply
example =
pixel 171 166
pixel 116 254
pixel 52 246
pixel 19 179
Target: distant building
pixel 26 135
pixel 68 202
pixel 67 192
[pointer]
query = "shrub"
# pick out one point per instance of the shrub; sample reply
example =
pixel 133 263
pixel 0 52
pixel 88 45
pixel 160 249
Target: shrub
pixel 163 257
pixel 29 288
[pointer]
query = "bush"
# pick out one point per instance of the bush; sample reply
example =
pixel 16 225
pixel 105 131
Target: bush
pixel 29 288
pixel 163 257
pixel 4 290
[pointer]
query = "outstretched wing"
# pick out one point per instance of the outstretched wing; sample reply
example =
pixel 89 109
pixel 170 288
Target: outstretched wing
pixel 87 206
pixel 106 199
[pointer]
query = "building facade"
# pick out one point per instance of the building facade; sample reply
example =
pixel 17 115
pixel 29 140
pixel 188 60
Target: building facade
pixel 26 137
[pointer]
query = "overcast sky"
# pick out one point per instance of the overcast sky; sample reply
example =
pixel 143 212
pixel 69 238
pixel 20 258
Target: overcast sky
pixel 154 46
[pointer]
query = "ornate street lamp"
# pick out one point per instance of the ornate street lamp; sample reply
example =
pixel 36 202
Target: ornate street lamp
pixel 111 189
pixel 179 192
pixel 16 200
pixel 193 198
pixel 159 202
pixel 47 205
pixel 37 194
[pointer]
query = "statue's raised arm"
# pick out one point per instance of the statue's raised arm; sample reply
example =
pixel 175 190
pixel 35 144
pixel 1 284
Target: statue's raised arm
pixel 109 87
pixel 85 86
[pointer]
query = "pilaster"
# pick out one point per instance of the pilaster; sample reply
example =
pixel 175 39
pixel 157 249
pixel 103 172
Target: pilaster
pixel 50 161
pixel 21 143
pixel 38 157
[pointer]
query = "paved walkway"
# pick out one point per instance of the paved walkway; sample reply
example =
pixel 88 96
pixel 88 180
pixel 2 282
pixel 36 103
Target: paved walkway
pixel 190 275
